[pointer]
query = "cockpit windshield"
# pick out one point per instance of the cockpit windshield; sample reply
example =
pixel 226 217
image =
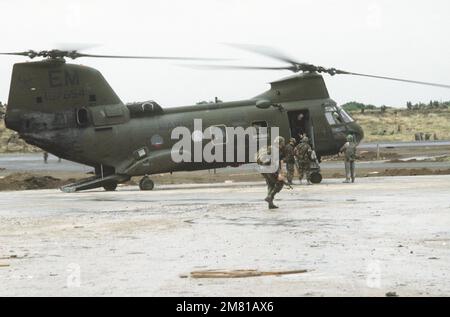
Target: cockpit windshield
pixel 347 118
pixel 336 115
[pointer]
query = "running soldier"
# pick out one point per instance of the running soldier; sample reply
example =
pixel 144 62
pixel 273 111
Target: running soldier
pixel 275 179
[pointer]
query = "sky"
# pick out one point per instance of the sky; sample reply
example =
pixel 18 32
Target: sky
pixel 406 39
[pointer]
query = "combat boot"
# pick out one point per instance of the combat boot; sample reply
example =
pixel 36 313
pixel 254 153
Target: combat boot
pixel 272 206
pixel 270 202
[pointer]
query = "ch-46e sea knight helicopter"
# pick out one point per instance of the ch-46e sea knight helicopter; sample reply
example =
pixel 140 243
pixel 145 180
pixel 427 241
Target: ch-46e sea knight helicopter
pixel 71 111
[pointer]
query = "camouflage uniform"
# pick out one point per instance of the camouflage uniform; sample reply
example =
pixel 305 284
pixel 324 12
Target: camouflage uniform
pixel 349 150
pixel 274 185
pixel 289 157
pixel 303 153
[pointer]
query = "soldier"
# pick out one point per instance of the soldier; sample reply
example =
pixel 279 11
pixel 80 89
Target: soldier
pixel 275 179
pixel 289 157
pixel 298 130
pixel 349 150
pixel 303 154
pixel 45 154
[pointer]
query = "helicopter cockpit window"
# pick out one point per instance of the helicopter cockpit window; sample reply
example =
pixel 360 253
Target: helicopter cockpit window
pixel 332 115
pixel 345 116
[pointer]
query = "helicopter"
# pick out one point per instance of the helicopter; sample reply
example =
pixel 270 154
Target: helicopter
pixel 71 111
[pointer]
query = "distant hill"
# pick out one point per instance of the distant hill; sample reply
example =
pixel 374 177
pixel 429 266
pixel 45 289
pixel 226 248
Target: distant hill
pixel 403 124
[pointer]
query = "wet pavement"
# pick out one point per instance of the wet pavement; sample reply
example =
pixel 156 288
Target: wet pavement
pixel 34 163
pixel 417 144
pixel 376 236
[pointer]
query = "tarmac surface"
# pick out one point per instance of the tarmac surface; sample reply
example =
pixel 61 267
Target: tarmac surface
pixel 33 162
pixel 379 235
pixel 417 144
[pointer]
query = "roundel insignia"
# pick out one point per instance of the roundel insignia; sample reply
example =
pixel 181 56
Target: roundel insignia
pixel 157 140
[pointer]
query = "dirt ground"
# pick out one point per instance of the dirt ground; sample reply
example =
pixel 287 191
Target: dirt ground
pixel 29 181
pixel 26 181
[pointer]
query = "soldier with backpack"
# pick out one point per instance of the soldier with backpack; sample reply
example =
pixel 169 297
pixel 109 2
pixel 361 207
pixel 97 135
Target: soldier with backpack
pixel 349 150
pixel 289 157
pixel 304 155
pixel 275 179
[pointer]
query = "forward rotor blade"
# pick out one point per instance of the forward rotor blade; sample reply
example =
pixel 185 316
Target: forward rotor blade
pixel 265 51
pixel 395 79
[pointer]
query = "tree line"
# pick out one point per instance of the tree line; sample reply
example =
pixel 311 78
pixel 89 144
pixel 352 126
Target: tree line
pixel 433 104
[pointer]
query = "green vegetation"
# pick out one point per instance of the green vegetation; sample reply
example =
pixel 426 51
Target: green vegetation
pixel 431 105
pixel 353 106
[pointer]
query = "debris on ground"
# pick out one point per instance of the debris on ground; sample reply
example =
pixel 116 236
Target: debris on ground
pixel 13 257
pixel 409 172
pixel 4 265
pixel 24 181
pixel 391 294
pixel 367 156
pixel 240 273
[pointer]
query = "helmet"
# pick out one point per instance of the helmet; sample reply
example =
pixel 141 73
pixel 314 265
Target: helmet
pixel 292 140
pixel 305 139
pixel 350 138
pixel 279 140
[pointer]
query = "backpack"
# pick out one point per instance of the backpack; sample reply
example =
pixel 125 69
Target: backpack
pixel 264 156
pixel 303 152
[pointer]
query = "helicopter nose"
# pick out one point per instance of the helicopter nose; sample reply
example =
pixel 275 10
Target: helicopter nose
pixel 356 130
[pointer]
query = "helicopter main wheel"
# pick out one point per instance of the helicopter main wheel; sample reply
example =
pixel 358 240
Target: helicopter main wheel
pixel 110 187
pixel 316 178
pixel 146 184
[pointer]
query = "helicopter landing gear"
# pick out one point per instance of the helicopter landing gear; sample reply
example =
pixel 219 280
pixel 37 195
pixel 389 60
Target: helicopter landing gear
pixel 316 178
pixel 110 187
pixel 146 184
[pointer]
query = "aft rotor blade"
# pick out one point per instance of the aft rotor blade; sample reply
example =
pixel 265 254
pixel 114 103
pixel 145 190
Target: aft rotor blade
pixel 396 79
pixel 16 53
pixel 230 67
pixel 73 54
pixel 151 57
